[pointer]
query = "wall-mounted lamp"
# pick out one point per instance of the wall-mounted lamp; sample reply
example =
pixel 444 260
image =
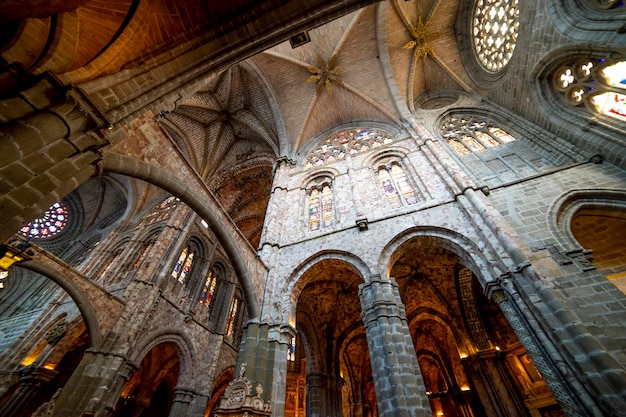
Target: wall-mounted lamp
pixel 362 223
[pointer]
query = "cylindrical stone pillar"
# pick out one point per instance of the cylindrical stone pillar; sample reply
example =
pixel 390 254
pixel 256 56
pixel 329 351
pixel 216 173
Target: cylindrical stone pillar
pixel 182 399
pixel 31 381
pixel 398 382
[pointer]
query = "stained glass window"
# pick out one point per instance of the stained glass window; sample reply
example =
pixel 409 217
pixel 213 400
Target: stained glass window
pixel 183 266
pixel 597 84
pixel 209 287
pixel 232 318
pixel 346 142
pixel 467 134
pixel 321 209
pixel 396 186
pixel 162 211
pixel 49 224
pixel 495 27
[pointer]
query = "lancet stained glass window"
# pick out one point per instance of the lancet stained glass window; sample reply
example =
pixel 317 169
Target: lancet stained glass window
pixel 596 84
pixel 495 27
pixel 232 318
pixel 467 134
pixel 346 142
pixel 396 186
pixel 209 287
pixel 183 266
pixel 321 209
pixel 50 223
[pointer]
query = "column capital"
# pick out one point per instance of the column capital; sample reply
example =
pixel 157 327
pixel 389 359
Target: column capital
pixel 184 395
pixel 31 375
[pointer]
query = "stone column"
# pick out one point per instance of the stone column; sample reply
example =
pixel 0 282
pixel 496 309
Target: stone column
pixel 549 370
pixel 264 352
pixel 182 399
pixel 316 395
pixel 31 381
pixel 398 382
pixel 493 386
pixel 90 389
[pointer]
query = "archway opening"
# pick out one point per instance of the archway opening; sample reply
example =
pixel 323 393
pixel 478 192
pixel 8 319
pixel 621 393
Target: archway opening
pixel 150 390
pixel 43 337
pixel 603 230
pixel 471 361
pixel 330 353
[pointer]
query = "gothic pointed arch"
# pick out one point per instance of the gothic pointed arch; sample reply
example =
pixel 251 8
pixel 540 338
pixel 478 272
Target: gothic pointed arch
pixel 326 303
pixel 142 170
pixel 184 349
pixel 457 330
pixel 588 226
pixel 580 18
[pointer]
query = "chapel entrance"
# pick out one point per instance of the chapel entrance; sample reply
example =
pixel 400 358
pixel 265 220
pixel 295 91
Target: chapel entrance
pixel 150 390
pixel 329 355
pixel 471 361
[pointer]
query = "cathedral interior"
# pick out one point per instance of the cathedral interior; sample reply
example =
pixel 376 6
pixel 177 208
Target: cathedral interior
pixel 321 208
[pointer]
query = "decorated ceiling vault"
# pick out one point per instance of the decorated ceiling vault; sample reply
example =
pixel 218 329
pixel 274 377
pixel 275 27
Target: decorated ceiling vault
pixel 313 208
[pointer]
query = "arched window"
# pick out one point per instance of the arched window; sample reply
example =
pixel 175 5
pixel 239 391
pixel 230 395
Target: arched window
pixel 396 186
pixel 147 245
pixel 111 261
pixel 162 211
pixel 210 285
pixel 352 141
pixel 597 84
pixel 321 207
pixel 183 265
pixel 233 316
pixel 50 223
pixel 467 134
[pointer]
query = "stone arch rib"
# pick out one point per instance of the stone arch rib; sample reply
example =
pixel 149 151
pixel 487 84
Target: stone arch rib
pixel 84 305
pixel 131 167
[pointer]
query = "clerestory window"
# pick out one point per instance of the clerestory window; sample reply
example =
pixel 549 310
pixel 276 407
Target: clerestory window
pixel 597 85
pixel 396 186
pixel 468 134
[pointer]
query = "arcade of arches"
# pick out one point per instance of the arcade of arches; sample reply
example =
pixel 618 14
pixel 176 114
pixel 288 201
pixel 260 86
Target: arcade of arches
pixel 317 208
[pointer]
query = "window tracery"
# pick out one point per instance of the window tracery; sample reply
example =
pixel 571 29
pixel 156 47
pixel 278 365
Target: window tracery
pixel 162 211
pixel 599 85
pixel 495 27
pixel 467 134
pixel 50 223
pixel 346 142
pixel 210 285
pixel 321 207
pixel 396 186
pixel 183 265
